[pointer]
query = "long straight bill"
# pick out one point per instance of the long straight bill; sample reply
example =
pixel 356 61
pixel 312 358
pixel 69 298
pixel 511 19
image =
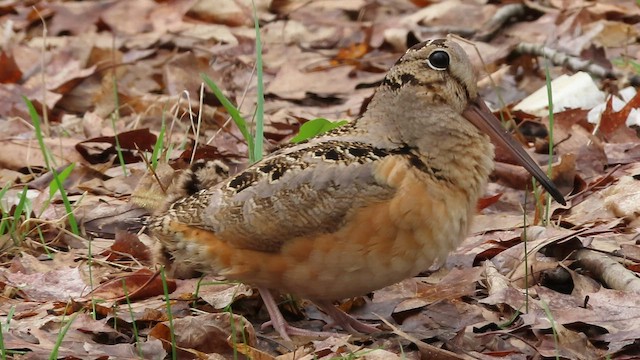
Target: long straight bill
pixel 480 116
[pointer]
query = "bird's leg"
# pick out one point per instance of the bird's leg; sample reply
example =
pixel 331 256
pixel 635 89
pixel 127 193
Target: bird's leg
pixel 344 320
pixel 280 324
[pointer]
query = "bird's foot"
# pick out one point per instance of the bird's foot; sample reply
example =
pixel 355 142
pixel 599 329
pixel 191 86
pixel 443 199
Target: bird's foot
pixel 285 330
pixel 279 324
pixel 344 320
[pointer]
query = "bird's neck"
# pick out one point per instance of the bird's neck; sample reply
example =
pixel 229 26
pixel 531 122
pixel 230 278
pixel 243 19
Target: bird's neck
pixel 438 134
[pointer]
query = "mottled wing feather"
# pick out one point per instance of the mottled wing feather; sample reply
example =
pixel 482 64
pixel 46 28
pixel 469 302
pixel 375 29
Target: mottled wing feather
pixel 295 192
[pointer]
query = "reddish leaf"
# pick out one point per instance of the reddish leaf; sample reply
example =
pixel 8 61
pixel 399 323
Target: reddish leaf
pixel 485 202
pixel 127 243
pixel 611 120
pixel 101 149
pixel 142 284
pixel 9 71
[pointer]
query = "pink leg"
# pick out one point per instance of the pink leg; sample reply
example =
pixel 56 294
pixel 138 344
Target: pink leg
pixel 280 324
pixel 344 320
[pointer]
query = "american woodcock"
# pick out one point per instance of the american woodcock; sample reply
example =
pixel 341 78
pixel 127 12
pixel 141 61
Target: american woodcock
pixel 358 208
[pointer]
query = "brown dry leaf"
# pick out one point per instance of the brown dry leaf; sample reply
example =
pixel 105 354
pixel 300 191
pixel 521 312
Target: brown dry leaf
pixel 48 285
pixel 118 17
pixel 573 135
pixel 12 102
pixel 101 149
pixel 611 120
pixel 622 153
pixel 619 201
pixel 613 33
pixel 350 54
pixel 623 199
pixel 104 216
pixel 128 245
pixel 220 295
pixel 61 149
pixel 487 201
pixel 208 333
pixel 9 71
pixel 141 284
pixel 179 73
pixel 293 83
pixel 231 13
pixel 443 319
pixel 76 17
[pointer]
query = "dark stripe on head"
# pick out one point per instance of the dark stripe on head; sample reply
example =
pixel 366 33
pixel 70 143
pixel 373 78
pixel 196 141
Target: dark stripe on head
pixel 396 83
pixel 407 79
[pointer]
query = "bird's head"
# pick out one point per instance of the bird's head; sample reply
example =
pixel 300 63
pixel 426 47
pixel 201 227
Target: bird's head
pixel 437 77
pixel 438 69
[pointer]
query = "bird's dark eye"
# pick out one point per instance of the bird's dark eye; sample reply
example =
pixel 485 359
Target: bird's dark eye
pixel 438 60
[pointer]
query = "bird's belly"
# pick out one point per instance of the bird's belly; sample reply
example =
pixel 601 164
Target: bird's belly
pixel 377 246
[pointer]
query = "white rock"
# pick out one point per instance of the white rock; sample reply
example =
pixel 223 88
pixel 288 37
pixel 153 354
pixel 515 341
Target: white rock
pixel 577 91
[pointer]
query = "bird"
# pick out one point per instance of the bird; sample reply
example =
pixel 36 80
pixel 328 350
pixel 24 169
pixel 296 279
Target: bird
pixel 358 208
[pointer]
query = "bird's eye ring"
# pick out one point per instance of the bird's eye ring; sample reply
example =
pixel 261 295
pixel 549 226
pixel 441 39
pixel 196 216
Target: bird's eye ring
pixel 438 60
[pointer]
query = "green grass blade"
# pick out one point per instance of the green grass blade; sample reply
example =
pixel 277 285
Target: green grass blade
pixel 3 351
pixel 123 165
pixel 549 169
pixel 64 174
pixel 549 315
pixel 43 242
pixel 4 222
pixel 157 147
pixel 3 192
pixel 61 335
pixel 165 288
pixel 240 122
pixel 526 252
pixel 20 208
pixel 259 138
pixel 67 205
pixel 133 319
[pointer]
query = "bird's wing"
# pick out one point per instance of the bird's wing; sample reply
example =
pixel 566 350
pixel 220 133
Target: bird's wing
pixel 298 191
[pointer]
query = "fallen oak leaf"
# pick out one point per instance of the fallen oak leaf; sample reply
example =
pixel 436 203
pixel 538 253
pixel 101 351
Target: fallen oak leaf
pixel 142 284
pixel 100 149
pixel 428 351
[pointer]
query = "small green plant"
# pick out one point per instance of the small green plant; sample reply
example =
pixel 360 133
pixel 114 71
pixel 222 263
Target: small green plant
pixel 623 62
pixel 316 127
